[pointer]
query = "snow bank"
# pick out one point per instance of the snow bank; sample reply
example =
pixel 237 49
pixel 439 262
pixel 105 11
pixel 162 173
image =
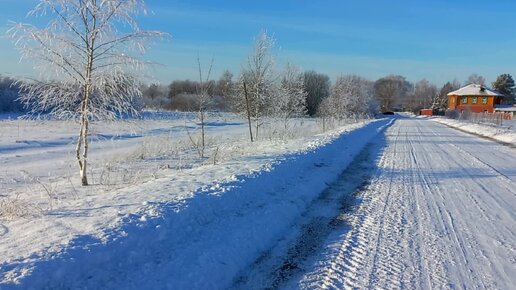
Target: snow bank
pixel 204 239
pixel 503 134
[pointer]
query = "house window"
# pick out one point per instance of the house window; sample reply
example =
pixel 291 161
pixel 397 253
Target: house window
pixel 484 100
pixel 474 100
pixel 464 100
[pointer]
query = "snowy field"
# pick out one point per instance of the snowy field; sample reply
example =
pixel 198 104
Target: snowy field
pixel 142 171
pixel 396 203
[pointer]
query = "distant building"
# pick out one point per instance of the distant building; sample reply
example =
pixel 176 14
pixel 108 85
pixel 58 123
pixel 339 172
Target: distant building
pixel 509 110
pixel 426 112
pixel 474 98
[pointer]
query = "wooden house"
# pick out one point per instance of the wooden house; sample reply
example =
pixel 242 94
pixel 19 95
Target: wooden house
pixel 474 98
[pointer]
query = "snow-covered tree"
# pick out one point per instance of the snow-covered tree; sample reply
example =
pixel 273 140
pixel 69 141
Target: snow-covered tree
pixel 342 93
pixel 254 98
pixel 504 84
pixel 440 102
pixel 89 58
pixel 290 100
pixel 326 111
pixel 155 96
pixel 203 100
pixel 351 97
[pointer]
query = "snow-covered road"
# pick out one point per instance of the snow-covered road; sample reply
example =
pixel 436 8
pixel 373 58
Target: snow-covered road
pixel 440 212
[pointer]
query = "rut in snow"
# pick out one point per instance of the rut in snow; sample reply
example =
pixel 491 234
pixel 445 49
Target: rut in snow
pixel 328 213
pixel 437 212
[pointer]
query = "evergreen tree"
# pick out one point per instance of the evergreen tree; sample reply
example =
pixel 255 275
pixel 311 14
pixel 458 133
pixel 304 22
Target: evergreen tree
pixel 317 87
pixel 504 84
pixel 440 102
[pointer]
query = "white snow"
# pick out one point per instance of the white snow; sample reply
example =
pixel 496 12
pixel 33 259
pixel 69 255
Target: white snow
pixel 505 133
pixel 188 225
pixel 474 90
pixel 439 214
pixel 438 211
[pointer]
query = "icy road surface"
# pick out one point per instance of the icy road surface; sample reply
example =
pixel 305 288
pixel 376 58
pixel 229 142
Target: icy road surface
pixel 440 212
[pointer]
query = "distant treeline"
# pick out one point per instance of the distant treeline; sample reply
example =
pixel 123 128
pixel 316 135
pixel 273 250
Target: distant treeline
pixel 392 93
pixel 9 93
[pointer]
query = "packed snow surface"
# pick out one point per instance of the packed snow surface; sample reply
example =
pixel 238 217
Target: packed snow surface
pixel 505 133
pixel 439 213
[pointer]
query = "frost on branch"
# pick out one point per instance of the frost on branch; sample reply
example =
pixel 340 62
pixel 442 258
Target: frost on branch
pixel 254 98
pixel 89 59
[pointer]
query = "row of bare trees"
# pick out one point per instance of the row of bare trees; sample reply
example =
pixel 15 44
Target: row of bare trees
pixel 392 92
pixel 262 92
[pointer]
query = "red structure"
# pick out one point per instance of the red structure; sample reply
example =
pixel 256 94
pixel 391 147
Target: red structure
pixel 426 112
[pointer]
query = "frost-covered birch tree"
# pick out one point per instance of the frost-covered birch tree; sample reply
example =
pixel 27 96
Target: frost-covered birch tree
pixel 254 98
pixel 89 57
pixel 351 97
pixel 203 99
pixel 291 97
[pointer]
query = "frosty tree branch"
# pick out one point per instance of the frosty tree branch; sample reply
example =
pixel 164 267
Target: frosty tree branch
pixel 260 82
pixel 89 56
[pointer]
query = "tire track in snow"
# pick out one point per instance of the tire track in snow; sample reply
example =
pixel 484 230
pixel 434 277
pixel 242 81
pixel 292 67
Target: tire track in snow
pixel 422 221
pixel 460 237
pixel 288 258
pixel 435 272
pixel 499 174
pixel 386 273
pixel 421 233
pixel 465 239
pixel 353 254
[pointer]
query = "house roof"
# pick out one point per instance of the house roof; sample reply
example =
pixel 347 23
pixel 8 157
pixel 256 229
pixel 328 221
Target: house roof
pixel 474 90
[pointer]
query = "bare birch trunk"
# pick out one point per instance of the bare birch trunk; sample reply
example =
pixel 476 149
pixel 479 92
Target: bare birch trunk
pixel 257 126
pixel 285 125
pixel 202 134
pixel 248 111
pixel 82 149
pixel 83 160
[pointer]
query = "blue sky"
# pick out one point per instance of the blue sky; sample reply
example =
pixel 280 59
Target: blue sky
pixel 438 40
